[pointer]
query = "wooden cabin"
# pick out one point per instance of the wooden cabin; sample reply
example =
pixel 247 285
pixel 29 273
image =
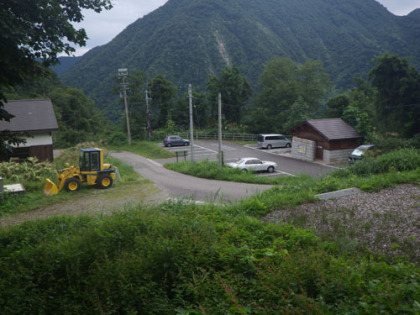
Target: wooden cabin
pixel 330 140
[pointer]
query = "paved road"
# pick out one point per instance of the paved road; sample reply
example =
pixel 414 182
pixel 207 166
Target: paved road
pixel 183 186
pixel 286 165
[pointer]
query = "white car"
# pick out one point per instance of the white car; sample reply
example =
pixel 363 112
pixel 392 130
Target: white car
pixel 253 165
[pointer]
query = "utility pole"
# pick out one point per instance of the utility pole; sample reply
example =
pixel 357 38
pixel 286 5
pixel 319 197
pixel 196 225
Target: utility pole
pixel 191 124
pixel 122 74
pixel 219 112
pixel 148 117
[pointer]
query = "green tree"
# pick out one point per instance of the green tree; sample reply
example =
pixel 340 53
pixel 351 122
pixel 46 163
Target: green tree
pixel 358 119
pixel 336 106
pixel 136 99
pixel 33 31
pixel 298 112
pixel 162 94
pixel 78 118
pixel 282 84
pixel 170 124
pixel 362 96
pixel 200 109
pixel 180 113
pixel 354 106
pixel 235 90
pixel 398 94
pixel 314 83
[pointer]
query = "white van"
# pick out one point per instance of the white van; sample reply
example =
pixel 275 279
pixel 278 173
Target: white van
pixel 268 141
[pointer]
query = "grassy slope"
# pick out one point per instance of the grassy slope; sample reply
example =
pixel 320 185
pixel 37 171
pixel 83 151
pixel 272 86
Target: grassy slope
pixel 188 259
pixel 181 258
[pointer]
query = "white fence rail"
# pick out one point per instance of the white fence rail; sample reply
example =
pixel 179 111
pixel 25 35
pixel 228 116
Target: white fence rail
pixel 214 136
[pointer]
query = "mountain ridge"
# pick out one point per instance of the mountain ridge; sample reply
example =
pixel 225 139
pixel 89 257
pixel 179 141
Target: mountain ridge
pixel 188 40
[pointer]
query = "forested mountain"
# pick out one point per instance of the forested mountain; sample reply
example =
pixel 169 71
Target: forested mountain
pixel 64 64
pixel 186 40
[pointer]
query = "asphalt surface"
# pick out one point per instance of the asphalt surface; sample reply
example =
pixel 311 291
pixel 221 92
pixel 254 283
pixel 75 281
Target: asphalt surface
pixel 179 186
pixel 287 166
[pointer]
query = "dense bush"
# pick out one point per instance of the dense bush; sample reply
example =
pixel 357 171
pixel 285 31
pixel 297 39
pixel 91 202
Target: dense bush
pixel 117 138
pixel 401 160
pixel 390 142
pixel 185 259
pixel 31 170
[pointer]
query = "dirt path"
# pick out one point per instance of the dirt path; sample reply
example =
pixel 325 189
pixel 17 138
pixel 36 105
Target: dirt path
pixel 117 198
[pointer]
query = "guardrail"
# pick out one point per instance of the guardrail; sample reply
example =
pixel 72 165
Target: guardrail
pixel 214 136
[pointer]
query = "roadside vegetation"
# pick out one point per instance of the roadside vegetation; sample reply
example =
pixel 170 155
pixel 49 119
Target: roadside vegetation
pixel 187 259
pixel 32 175
pixel 370 174
pixel 182 258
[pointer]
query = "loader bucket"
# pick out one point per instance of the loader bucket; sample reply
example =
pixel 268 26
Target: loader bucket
pixel 50 188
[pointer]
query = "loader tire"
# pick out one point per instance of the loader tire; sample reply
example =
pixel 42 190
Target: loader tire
pixel 104 181
pixel 72 184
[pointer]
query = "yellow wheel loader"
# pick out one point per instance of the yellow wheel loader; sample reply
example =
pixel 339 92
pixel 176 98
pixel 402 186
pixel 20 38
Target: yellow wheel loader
pixel 91 170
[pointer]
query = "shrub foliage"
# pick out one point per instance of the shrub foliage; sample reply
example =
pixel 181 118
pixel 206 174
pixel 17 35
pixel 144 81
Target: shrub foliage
pixel 31 170
pixel 182 258
pixel 187 259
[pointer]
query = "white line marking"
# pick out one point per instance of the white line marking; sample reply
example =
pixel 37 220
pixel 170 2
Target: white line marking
pixel 154 162
pixel 281 172
pixel 198 146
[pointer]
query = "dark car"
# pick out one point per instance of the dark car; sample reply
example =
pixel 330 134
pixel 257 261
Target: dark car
pixel 359 152
pixel 171 141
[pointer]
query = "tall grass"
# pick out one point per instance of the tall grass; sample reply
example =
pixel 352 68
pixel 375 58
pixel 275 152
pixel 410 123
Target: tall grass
pixel 31 175
pixel 400 160
pixel 188 259
pixel 182 258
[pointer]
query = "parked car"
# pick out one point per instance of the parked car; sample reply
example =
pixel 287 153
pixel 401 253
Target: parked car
pixel 359 152
pixel 171 141
pixel 268 141
pixel 253 164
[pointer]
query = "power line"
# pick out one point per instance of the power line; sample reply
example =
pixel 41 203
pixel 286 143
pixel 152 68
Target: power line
pixel 123 73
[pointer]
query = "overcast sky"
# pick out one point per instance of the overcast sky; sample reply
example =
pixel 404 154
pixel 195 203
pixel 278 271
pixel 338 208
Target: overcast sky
pixel 102 28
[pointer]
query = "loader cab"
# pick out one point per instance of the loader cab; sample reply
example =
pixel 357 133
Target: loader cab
pixel 90 160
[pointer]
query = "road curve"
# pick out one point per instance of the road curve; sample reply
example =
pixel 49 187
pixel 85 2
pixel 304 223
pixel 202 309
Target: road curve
pixel 179 185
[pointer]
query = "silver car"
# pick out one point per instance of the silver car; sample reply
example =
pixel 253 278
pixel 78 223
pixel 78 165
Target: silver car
pixel 359 152
pixel 253 164
pixel 268 141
